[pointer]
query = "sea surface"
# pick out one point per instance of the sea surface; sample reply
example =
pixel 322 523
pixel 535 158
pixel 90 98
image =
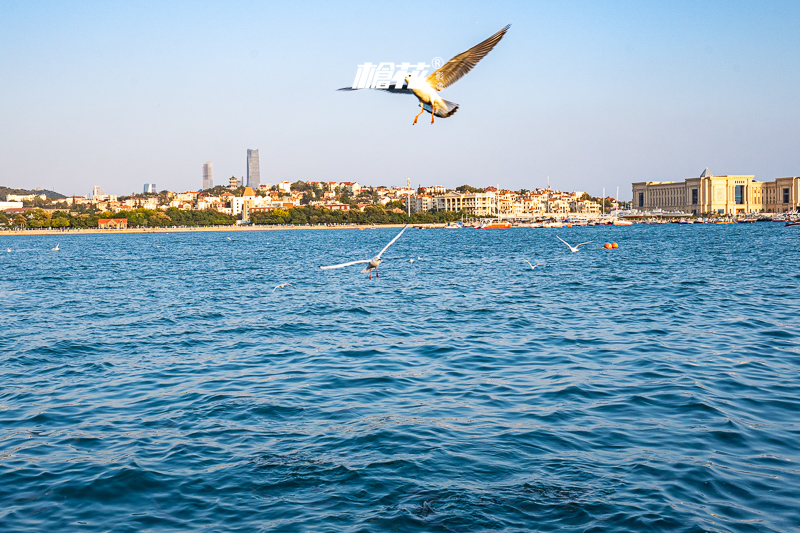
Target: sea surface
pixel 157 382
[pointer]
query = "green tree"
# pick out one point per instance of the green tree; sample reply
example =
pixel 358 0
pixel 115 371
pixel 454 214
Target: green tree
pixel 20 221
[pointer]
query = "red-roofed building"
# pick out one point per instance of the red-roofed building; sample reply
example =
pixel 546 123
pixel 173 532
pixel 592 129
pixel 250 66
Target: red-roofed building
pixel 112 223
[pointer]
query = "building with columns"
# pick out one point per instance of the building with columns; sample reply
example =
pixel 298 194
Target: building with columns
pixel 723 195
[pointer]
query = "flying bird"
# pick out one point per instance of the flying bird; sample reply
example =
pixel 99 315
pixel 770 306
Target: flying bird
pixel 372 263
pixel 533 267
pixel 572 249
pixel 427 90
pixel 55 249
pixel 281 286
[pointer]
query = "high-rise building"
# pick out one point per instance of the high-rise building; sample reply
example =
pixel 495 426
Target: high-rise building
pixel 253 172
pixel 208 175
pixel 150 187
pixel 97 191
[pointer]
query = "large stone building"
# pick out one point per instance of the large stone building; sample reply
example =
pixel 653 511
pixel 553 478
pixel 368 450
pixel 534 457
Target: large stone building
pixel 723 195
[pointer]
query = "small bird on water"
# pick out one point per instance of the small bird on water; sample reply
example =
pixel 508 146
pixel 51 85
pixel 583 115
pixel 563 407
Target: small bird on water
pixel 427 90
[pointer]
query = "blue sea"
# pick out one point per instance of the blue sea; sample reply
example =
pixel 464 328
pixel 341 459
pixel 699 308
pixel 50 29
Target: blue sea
pixel 157 382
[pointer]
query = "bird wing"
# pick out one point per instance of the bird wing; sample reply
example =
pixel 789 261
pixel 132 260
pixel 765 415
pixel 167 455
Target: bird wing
pixel 453 70
pixel 391 89
pixel 562 240
pixel 391 242
pixel 329 267
pixel 529 263
pixel 581 244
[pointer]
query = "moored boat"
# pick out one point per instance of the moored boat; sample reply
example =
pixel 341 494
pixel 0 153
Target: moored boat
pixel 496 225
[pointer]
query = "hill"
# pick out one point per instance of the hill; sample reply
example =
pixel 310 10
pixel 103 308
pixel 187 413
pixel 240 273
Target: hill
pixel 4 191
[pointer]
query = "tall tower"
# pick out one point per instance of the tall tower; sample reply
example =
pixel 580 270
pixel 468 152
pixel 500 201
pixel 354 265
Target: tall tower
pixel 253 172
pixel 208 175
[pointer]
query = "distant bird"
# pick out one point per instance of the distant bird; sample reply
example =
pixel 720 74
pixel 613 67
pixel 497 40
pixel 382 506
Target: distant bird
pixel 9 250
pixel 533 267
pixel 228 238
pixel 55 249
pixel 372 263
pixel 427 90
pixel 572 249
pixel 282 285
pixel 410 260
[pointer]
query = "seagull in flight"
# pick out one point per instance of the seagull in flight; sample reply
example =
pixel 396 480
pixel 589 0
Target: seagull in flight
pixel 281 286
pixel 372 264
pixel 427 90
pixel 56 248
pixel 533 267
pixel 572 249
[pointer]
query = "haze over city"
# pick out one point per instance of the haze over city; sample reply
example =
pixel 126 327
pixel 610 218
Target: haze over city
pixel 591 95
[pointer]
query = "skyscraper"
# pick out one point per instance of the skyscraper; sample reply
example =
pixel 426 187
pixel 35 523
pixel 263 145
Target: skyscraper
pixel 253 172
pixel 150 188
pixel 208 175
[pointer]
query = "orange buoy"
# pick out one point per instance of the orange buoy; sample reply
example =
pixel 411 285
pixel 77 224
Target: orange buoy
pixel 614 245
pixel 607 246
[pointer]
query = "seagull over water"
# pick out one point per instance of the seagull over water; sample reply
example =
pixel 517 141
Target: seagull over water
pixel 572 249
pixel 56 248
pixel 533 267
pixel 281 286
pixel 372 264
pixel 427 90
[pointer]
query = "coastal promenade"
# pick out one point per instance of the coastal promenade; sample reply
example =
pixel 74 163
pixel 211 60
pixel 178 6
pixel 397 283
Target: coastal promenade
pixel 197 229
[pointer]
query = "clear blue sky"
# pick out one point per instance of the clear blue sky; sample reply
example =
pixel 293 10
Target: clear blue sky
pixel 592 94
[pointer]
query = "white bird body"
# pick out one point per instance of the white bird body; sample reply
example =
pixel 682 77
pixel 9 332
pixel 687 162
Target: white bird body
pixel 282 285
pixel 533 267
pixel 372 264
pixel 56 248
pixel 572 249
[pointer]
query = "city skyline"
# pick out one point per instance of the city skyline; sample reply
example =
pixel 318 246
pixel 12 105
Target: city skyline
pixel 591 95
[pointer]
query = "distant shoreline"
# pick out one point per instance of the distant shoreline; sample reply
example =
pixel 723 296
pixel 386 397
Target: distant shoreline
pixel 97 231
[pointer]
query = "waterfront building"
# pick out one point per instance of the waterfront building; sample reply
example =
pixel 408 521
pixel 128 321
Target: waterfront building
pixel 10 205
pixel 208 175
pixel 112 223
pixel 723 195
pixel 479 204
pixel 150 188
pixel 422 203
pixel 253 170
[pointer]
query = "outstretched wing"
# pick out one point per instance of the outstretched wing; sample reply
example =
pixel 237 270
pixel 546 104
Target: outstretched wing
pixel 391 242
pixel 454 69
pixel 581 244
pixel 390 89
pixel 562 240
pixel 329 267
